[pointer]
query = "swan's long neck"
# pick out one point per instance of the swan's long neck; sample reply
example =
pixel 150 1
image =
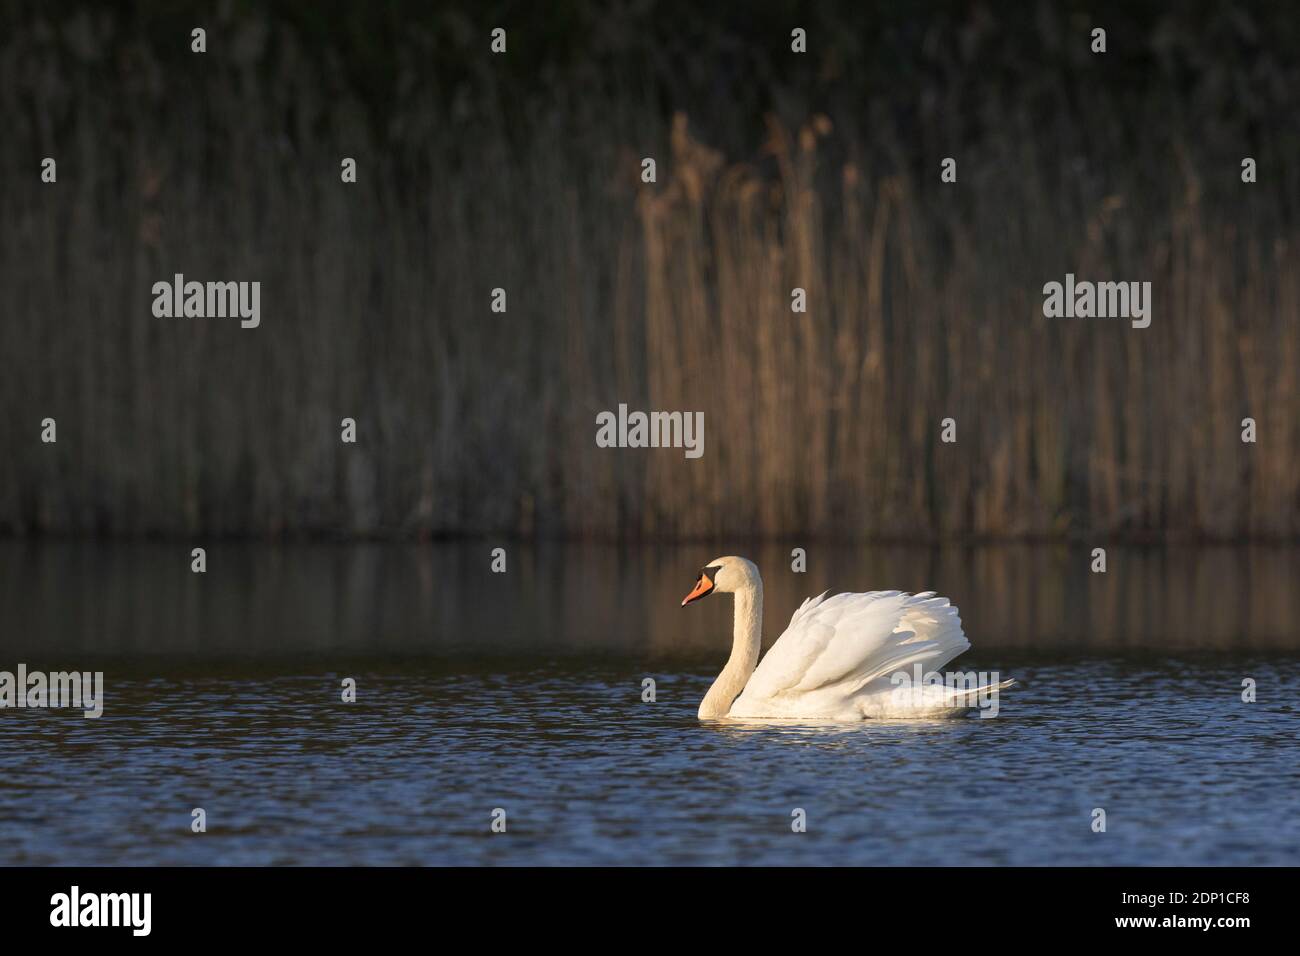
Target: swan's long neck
pixel 745 645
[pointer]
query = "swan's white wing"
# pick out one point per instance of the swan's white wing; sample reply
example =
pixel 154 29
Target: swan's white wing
pixel 834 646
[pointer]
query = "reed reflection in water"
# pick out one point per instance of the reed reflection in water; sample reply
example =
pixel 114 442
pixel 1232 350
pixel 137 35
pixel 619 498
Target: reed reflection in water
pixel 268 601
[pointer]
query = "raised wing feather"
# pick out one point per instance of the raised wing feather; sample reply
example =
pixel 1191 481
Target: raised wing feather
pixel 843 642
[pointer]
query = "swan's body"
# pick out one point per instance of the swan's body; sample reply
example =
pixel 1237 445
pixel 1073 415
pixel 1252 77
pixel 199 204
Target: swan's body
pixel 838 658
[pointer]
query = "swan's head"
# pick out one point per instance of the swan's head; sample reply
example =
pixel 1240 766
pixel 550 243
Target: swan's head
pixel 726 575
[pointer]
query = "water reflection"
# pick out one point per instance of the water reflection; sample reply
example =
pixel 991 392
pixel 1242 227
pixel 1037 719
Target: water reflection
pixel 524 691
pixel 267 601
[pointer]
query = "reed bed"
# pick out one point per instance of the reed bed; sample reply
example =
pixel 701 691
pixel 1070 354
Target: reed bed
pixel 924 299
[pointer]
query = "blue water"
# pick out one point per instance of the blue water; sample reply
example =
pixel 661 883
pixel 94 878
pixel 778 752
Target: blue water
pixel 523 692
pixel 587 772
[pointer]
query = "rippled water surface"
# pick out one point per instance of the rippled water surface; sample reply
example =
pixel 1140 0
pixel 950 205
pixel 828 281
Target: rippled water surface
pixel 478 692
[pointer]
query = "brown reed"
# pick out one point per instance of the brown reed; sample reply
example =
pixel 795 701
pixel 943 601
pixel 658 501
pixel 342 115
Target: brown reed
pixel 924 299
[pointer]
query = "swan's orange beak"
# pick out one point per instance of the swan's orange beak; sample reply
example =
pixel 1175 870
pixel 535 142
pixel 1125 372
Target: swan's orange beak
pixel 702 587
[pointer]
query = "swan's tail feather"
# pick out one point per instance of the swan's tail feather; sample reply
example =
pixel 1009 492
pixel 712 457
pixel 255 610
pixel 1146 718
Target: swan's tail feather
pixel 961 693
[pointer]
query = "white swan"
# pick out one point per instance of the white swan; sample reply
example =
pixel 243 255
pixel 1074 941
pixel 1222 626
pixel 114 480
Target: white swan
pixel 836 659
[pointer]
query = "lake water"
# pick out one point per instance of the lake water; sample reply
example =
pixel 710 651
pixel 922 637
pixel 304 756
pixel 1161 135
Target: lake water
pixel 523 691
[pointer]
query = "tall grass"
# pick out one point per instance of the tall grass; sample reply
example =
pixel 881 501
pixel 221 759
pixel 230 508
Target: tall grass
pixel 924 302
